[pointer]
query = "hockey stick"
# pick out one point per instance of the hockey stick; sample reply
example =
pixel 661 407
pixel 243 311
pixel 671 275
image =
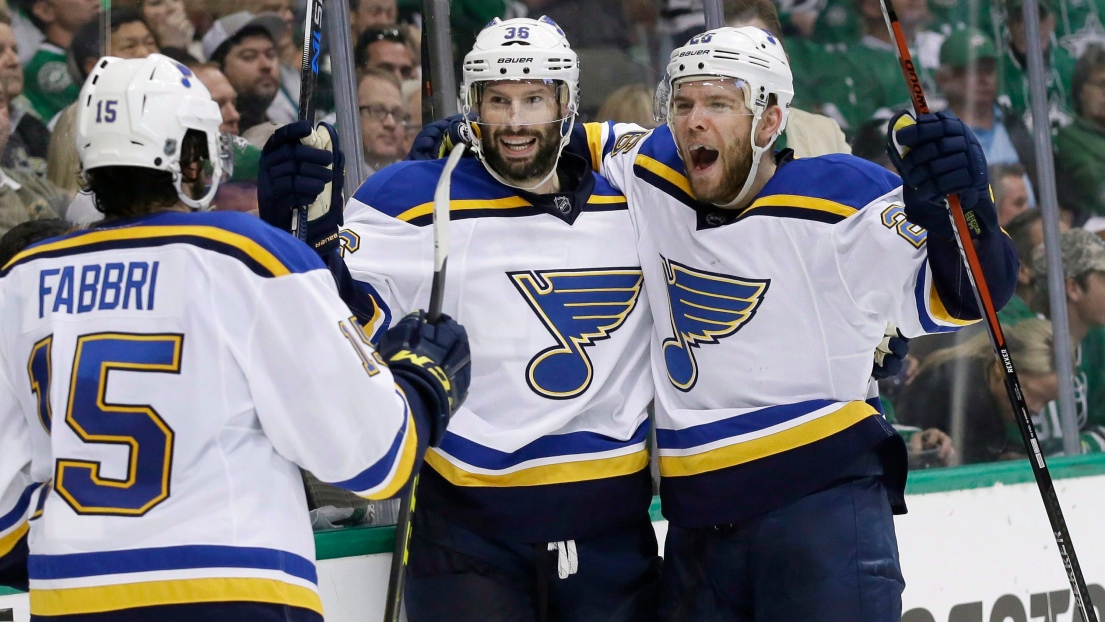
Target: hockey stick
pixel 1001 350
pixel 394 602
pixel 308 79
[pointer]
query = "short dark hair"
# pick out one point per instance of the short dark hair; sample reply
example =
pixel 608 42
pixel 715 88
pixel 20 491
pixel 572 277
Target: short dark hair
pixel 1090 61
pixel 87 42
pixel 1019 231
pixel 26 233
pixel 372 35
pixel 747 10
pixel 253 30
pixel 181 56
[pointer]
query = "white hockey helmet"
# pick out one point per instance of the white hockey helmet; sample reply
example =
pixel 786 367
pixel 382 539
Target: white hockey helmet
pixel 520 49
pixel 136 112
pixel 750 55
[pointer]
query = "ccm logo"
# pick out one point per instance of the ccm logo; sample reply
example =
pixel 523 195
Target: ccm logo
pixel 515 60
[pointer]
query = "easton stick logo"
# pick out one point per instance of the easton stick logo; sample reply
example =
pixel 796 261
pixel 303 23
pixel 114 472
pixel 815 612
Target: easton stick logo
pixel 578 308
pixel 705 307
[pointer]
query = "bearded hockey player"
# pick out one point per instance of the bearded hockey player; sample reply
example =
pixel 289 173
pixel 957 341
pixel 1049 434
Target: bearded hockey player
pixel 770 280
pixel 192 362
pixel 535 506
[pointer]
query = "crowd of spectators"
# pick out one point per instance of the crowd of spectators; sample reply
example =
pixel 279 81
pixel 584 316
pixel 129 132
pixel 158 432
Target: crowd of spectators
pixel 949 402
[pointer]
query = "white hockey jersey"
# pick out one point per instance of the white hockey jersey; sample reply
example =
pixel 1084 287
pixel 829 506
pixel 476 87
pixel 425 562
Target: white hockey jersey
pixel 164 376
pixel 551 442
pixel 766 320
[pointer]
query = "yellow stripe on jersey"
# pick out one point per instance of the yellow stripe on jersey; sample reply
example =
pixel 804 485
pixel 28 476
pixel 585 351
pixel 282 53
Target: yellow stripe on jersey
pixel 803 202
pixel 562 473
pixel 427 208
pixel 254 250
pixel 598 199
pixel 99 599
pixel 748 451
pixel 8 542
pixel 677 178
pixel 594 142
pixel 940 313
pixel 406 462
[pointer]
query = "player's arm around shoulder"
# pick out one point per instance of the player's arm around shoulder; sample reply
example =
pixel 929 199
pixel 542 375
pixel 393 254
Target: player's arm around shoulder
pixel 355 416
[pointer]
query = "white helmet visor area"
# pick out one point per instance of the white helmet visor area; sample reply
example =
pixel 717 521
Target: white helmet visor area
pixel 712 96
pixel 520 103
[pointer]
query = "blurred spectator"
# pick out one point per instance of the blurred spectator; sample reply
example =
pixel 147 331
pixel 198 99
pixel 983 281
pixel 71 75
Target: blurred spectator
pixel 1083 255
pixel 1027 232
pixel 413 97
pixel 806 133
pixel 989 429
pixel 285 108
pixel 1010 188
pixel 1058 66
pixel 968 79
pixel 131 37
pixel 27 145
pixel 48 85
pixel 369 13
pixel 23 195
pixel 384 48
pixel 870 143
pixel 587 23
pixel 244 156
pixel 170 25
pixel 63 164
pixel 1080 146
pixel 631 103
pixel 24 234
pixel 681 20
pixel 876 49
pixel 382 113
pixel 244 46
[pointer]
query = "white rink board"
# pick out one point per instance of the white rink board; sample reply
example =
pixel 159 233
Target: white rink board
pixel 975 555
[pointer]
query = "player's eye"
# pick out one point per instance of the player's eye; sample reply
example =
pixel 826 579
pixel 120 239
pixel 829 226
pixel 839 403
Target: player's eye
pixel 721 106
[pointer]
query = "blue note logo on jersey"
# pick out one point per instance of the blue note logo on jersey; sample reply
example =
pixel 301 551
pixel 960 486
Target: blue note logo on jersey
pixel 705 307
pixel 578 307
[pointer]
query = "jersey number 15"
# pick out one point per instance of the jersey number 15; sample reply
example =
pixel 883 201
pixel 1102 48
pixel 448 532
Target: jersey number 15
pixel 137 427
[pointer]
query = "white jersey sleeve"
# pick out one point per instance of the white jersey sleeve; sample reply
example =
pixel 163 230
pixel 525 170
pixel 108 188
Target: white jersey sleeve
pixel 613 150
pixel 901 288
pixel 16 484
pixel 308 360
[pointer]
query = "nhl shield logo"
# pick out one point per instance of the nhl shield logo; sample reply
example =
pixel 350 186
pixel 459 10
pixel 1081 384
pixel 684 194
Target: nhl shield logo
pixel 562 204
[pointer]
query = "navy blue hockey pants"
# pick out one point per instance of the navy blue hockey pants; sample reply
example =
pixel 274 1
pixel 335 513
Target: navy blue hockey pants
pixel 831 556
pixel 456 575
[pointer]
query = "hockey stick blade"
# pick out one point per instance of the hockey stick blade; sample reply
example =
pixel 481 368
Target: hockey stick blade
pixel 441 232
pixel 997 339
pixel 308 81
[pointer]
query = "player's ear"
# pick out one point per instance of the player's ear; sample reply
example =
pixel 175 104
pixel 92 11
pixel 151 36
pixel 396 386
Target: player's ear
pixel 769 124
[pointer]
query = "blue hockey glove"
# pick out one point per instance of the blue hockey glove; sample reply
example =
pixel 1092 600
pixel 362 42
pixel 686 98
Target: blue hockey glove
pixel 303 167
pixel 437 139
pixel 435 359
pixel 890 354
pixel 937 155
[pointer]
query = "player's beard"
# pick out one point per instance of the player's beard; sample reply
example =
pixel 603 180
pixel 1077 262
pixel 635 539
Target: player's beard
pixel 531 170
pixel 735 160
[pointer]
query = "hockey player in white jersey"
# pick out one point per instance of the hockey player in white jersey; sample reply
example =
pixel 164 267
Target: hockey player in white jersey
pixel 770 280
pixel 164 374
pixel 535 506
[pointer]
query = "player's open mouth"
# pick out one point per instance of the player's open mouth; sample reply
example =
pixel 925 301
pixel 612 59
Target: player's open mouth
pixel 519 146
pixel 702 157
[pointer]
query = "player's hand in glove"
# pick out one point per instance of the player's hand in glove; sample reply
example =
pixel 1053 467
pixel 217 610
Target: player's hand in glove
pixel 303 167
pixel 437 139
pixel 435 359
pixel 890 354
pixel 937 155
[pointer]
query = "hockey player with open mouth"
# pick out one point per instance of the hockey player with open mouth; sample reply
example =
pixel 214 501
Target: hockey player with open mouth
pixel 535 506
pixel 165 374
pixel 770 280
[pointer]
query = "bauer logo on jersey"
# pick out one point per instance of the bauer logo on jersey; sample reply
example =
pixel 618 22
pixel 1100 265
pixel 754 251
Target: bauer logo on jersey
pixel 578 307
pixel 704 307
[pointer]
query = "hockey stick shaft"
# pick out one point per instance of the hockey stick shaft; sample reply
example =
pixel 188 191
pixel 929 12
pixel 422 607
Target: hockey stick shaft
pixel 308 80
pixel 394 599
pixel 985 302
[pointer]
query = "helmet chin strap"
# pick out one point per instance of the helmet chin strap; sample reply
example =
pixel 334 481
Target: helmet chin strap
pixel 757 153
